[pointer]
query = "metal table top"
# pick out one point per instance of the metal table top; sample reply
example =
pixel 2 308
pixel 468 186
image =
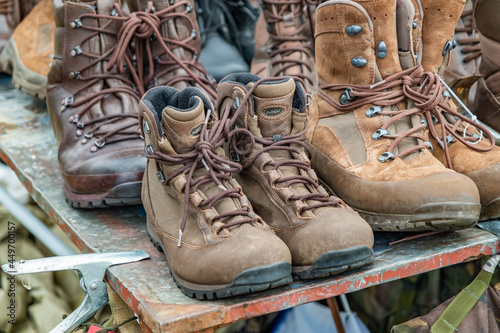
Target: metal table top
pixel 28 146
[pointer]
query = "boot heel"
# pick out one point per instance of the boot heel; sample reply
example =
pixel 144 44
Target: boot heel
pixel 153 235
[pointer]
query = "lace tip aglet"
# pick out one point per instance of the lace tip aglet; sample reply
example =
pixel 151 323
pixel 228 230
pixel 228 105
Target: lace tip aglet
pixel 209 113
pixel 222 187
pixel 180 238
pixel 205 164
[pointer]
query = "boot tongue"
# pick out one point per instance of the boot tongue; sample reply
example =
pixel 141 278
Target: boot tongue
pixel 182 128
pixel 273 106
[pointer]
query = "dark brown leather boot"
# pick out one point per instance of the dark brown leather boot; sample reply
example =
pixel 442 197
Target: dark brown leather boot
pixel 368 145
pixel 459 143
pixel 167 44
pixel 284 41
pixel 267 123
pixel 215 244
pixel 93 110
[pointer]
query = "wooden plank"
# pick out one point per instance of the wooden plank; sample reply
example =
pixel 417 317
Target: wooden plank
pixel 28 146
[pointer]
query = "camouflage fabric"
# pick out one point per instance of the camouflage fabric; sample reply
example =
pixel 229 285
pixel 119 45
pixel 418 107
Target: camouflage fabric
pixel 475 309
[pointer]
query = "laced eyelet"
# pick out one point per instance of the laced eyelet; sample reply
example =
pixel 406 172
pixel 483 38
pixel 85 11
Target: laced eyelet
pixel 387 156
pixel 373 111
pixel 146 127
pixel 76 51
pixel 236 103
pixel 75 24
pixel 76 75
pixel 379 133
pixel 431 147
pixel 114 12
pixel 149 150
pixel 99 143
pixel 345 97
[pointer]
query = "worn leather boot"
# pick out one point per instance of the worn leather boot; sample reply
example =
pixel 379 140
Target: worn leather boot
pixel 28 54
pixel 284 42
pixel 10 16
pixel 267 123
pixel 459 143
pixel 215 244
pixel 167 44
pixel 368 145
pixel 487 102
pixel 93 109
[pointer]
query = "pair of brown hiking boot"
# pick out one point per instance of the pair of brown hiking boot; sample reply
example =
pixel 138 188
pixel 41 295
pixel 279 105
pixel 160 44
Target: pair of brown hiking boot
pixel 104 61
pixel 229 193
pixel 384 131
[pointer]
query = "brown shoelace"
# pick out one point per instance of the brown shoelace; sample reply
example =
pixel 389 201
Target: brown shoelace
pixel 241 137
pixel 286 59
pixel 128 128
pixel 425 90
pixel 429 95
pixel 219 169
pixel 473 49
pixel 144 29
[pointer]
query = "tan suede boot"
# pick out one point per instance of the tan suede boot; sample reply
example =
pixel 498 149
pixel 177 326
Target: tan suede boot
pixel 368 146
pixel 216 246
pixel 28 54
pixel 286 48
pixel 167 53
pixel 469 149
pixel 266 126
pixel 93 109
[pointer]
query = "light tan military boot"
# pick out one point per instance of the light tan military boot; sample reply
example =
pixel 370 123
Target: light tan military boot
pixel 284 41
pixel 215 244
pixel 368 145
pixel 29 51
pixel 266 124
pixel 459 143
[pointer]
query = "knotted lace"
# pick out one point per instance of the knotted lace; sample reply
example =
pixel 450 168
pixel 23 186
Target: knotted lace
pixel 244 143
pixel 473 49
pixel 429 95
pixel 283 47
pixel 122 128
pixel 218 169
pixel 426 92
pixel 143 28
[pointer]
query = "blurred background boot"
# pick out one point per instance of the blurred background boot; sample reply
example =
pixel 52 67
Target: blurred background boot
pixel 487 102
pixel 463 70
pixel 28 54
pixel 284 42
pixel 221 48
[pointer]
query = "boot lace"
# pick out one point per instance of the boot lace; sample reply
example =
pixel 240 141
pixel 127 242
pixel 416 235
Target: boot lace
pixel 245 143
pixel 427 92
pixel 144 28
pixel 125 124
pixel 473 49
pixel 283 56
pixel 218 169
pixel 432 95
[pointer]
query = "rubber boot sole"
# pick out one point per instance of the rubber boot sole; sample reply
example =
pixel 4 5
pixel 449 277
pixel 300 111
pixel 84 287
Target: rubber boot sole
pixel 23 78
pixel 249 281
pixel 444 216
pixel 121 195
pixel 335 262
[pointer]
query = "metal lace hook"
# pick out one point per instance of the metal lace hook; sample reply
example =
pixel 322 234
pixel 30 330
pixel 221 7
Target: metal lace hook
pixel 472 115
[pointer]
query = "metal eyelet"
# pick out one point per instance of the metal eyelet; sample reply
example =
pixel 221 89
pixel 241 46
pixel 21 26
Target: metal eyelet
pixel 353 30
pixel 386 157
pixel 236 103
pixel 431 147
pixel 114 12
pixel 100 144
pixel 149 150
pixel 80 124
pixel 89 135
pixel 345 97
pixel 75 75
pixel 415 25
pixel 189 8
pixel 146 127
pixel 379 133
pixel 434 119
pixel 446 94
pixel 76 24
pixel 309 99
pixel 450 45
pixel 373 111
pixel 160 176
pixel 194 34
pixel 76 51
